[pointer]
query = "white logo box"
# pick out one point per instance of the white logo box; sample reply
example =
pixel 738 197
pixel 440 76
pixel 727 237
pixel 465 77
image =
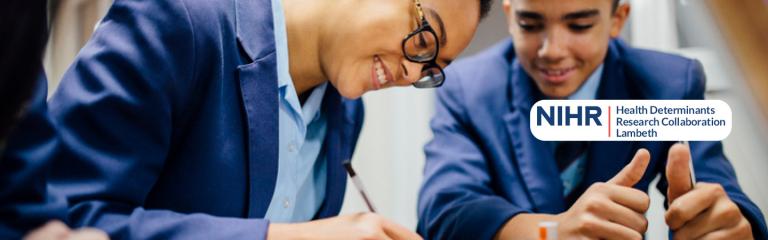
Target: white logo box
pixel 631 120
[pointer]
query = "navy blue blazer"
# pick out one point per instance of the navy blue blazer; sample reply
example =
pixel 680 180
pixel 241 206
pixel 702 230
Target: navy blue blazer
pixel 25 202
pixel 484 166
pixel 168 123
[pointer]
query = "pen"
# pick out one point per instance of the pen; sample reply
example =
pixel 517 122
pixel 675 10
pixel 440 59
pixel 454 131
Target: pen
pixel 690 163
pixel 359 185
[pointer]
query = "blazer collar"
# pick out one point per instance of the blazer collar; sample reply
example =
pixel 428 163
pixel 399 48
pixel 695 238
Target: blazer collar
pixel 253 19
pixel 614 83
pixel 255 35
pixel 608 158
pixel 534 159
pixel 337 149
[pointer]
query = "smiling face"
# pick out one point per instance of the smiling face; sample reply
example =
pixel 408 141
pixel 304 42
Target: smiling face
pixel 560 43
pixel 365 51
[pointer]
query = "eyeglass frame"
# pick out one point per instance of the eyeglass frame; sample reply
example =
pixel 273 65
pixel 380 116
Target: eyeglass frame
pixel 424 26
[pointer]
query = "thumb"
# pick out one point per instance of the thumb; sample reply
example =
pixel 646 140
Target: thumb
pixel 678 171
pixel 634 171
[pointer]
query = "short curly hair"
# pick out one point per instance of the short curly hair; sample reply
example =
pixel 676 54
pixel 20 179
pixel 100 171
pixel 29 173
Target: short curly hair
pixel 485 7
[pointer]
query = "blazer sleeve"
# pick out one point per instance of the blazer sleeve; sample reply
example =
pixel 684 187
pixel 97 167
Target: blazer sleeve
pixel 117 108
pixel 25 202
pixel 711 165
pixel 456 200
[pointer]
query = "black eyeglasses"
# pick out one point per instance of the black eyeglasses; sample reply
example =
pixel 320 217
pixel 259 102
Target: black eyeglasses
pixel 422 46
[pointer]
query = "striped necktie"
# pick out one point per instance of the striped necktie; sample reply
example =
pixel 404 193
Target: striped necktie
pixel 568 152
pixel 569 157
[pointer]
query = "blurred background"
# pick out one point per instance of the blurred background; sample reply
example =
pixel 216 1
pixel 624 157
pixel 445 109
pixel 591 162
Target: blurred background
pixel 728 36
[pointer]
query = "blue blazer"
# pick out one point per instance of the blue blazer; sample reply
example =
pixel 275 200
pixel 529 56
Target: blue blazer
pixel 25 202
pixel 484 166
pixel 168 123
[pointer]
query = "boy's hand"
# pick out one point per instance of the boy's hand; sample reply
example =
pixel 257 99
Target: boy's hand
pixel 703 211
pixel 612 210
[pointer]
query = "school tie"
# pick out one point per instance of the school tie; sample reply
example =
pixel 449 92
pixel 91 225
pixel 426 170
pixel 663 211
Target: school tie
pixel 568 154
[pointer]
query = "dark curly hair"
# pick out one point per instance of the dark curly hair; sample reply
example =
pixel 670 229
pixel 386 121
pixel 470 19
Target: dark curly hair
pixel 485 7
pixel 21 51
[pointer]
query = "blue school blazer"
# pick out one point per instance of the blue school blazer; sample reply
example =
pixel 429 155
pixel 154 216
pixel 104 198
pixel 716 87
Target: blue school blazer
pixel 484 166
pixel 25 202
pixel 168 122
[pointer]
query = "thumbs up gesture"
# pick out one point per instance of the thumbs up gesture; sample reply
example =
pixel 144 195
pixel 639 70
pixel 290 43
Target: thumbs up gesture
pixel 611 210
pixel 703 211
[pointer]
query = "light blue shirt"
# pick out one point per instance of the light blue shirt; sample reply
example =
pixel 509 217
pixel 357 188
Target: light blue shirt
pixel 574 173
pixel 301 174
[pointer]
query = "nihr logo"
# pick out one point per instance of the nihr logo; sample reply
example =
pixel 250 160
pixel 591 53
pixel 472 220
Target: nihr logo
pixel 565 115
pixel 630 120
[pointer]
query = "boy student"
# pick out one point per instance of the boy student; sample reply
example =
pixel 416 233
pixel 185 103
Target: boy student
pixel 230 119
pixel 487 176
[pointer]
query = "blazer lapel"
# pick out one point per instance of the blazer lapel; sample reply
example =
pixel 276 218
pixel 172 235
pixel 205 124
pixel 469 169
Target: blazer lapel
pixel 258 82
pixel 532 156
pixel 255 27
pixel 608 158
pixel 258 89
pixel 335 147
